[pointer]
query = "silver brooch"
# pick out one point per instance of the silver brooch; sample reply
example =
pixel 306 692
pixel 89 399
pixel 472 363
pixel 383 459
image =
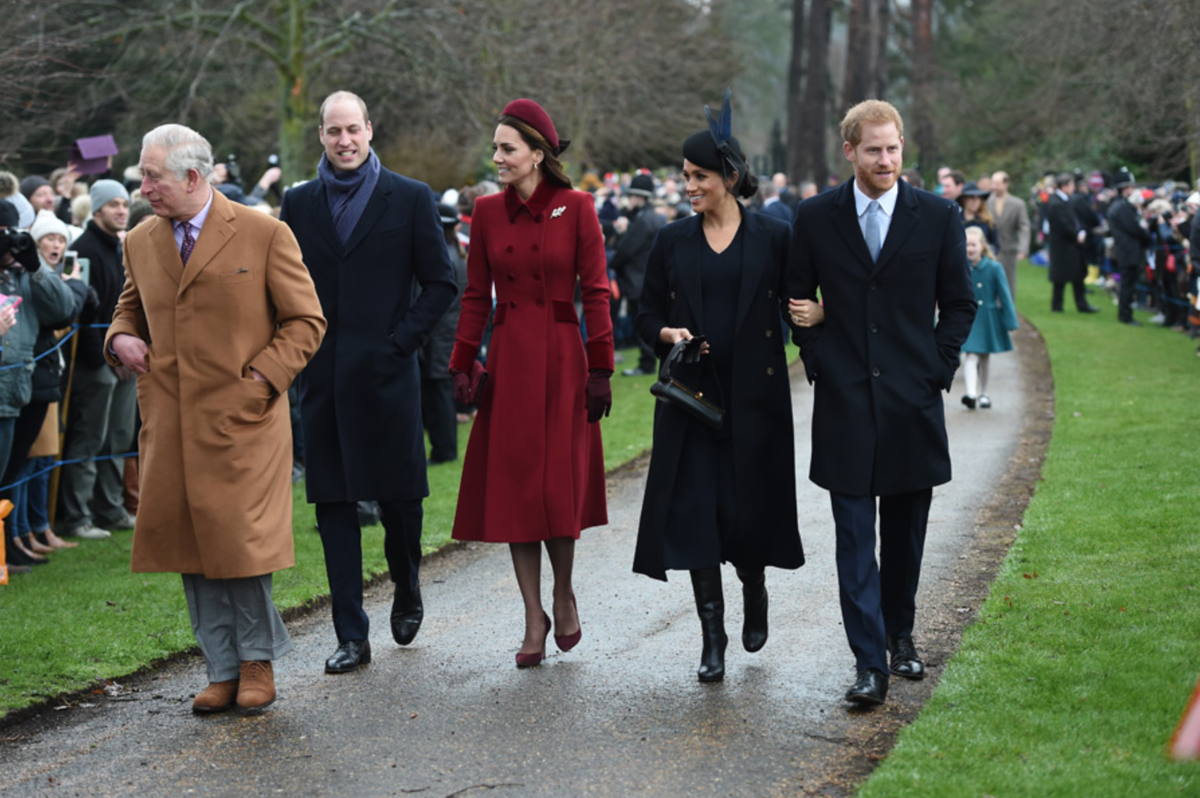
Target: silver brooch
pixel 559 211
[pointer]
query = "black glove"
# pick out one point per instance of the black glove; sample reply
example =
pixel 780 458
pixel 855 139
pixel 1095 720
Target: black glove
pixel 599 394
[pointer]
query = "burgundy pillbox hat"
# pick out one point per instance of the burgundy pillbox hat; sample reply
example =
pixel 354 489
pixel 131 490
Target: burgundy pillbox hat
pixel 536 117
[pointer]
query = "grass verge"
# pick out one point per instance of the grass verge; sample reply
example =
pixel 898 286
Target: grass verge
pixel 85 617
pixel 1084 655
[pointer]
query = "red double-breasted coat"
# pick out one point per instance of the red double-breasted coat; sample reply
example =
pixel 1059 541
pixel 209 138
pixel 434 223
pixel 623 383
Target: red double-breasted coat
pixel 534 467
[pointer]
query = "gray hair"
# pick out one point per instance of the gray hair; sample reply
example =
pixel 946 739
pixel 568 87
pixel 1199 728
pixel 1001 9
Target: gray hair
pixel 186 149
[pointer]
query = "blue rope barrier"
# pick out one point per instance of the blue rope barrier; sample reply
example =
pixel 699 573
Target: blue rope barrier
pixel 60 463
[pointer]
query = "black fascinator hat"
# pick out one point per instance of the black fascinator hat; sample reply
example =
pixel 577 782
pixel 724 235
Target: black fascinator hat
pixel 719 150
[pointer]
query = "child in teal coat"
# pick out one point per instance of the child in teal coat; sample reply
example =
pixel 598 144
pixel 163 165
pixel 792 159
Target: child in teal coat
pixel 996 317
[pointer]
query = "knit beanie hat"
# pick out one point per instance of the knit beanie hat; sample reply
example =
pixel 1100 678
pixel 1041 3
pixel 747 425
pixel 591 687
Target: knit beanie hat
pixel 32 184
pixel 104 191
pixel 47 223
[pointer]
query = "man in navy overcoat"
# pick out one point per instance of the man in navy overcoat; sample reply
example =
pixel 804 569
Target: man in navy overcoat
pixel 367 235
pixel 890 263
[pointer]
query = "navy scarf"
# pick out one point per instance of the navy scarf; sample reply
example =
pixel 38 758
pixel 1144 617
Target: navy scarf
pixel 348 192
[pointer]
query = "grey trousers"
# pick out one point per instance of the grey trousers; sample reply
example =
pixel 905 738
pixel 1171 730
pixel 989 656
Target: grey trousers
pixel 100 421
pixel 234 621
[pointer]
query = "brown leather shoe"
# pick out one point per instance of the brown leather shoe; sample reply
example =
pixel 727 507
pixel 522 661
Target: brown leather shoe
pixel 217 697
pixel 256 688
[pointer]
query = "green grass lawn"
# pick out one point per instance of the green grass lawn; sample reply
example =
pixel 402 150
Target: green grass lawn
pixel 85 617
pixel 1084 656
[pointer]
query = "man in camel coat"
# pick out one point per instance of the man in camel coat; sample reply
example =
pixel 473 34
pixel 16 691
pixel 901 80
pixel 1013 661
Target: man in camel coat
pixel 217 317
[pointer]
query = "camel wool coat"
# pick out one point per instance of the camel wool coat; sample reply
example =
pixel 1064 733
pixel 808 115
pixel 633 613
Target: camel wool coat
pixel 216 444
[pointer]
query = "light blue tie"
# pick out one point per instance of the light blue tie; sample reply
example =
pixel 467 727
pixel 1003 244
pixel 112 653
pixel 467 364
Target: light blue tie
pixel 871 231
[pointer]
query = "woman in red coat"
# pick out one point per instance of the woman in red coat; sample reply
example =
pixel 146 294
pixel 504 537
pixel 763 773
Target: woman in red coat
pixel 534 469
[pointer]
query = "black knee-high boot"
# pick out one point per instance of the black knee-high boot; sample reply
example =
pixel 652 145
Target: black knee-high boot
pixel 710 604
pixel 754 594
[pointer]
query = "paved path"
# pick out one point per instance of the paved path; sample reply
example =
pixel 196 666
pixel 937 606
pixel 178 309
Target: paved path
pixel 622 714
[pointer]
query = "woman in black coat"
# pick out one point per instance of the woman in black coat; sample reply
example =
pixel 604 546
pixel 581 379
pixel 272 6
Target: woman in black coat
pixel 727 495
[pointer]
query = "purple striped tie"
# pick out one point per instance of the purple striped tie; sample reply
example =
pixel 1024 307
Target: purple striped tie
pixel 189 243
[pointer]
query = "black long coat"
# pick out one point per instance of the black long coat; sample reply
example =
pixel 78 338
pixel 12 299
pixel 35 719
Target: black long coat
pixel 360 396
pixel 1130 239
pixel 878 361
pixel 1066 255
pixel 760 404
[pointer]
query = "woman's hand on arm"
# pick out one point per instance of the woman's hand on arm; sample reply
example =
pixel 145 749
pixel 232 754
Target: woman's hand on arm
pixel 805 312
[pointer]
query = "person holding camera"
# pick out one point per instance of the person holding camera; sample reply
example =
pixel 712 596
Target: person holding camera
pixel 37 296
pixel 725 494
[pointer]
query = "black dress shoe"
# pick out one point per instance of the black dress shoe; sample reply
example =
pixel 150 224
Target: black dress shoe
pixel 871 688
pixel 407 614
pixel 905 661
pixel 1132 323
pixel 1088 309
pixel 349 656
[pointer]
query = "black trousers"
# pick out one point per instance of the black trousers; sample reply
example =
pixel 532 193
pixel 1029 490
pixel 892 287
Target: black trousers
pixel 647 361
pixel 879 599
pixel 1129 279
pixel 341 538
pixel 1077 286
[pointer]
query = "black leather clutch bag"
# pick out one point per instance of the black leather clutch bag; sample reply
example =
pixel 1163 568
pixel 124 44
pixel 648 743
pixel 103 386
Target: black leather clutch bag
pixel 688 399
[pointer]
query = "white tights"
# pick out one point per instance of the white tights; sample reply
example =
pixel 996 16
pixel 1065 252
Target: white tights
pixel 975 374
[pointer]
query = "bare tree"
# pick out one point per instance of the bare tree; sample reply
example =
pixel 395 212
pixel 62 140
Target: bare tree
pixel 877 45
pixel 923 84
pixel 813 164
pixel 795 93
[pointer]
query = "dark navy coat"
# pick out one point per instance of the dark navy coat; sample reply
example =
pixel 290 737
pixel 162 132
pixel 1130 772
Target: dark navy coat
pixel 878 361
pixel 360 396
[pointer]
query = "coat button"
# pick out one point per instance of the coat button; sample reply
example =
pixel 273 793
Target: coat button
pixel 512 304
pixel 770 293
pixel 508 249
pixel 512 278
pixel 875 371
pixel 672 295
pixel 537 276
pixel 769 333
pixel 979 285
pixel 873 285
pixel 874 328
pixel 770 371
pixel 980 303
pixel 540 303
pixel 533 248
pixel 538 218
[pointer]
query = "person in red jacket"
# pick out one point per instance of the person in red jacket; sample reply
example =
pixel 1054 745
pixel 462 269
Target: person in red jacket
pixel 534 468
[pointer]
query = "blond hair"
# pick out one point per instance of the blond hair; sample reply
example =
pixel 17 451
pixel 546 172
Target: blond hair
pixel 869 112
pixel 978 232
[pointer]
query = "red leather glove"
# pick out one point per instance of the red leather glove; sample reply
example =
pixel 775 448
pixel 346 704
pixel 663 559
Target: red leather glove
pixel 468 386
pixel 599 394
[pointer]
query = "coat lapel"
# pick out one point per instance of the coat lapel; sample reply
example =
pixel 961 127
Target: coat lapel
pixel 166 252
pixel 845 221
pixel 691 249
pixel 904 221
pixel 755 253
pixel 381 199
pixel 217 231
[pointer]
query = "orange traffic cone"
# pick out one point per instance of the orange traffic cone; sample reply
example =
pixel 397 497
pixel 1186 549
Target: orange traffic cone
pixel 5 508
pixel 1185 742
